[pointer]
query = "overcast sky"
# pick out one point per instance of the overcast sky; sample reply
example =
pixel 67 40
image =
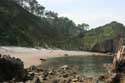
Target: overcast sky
pixel 93 12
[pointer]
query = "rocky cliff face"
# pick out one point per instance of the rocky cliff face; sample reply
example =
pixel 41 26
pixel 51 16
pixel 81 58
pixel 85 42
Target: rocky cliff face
pixel 105 46
pixel 10 68
pixel 102 39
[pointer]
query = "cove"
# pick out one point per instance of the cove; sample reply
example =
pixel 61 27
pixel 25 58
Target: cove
pixel 87 65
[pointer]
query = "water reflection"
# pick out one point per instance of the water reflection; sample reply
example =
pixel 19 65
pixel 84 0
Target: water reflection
pixel 86 65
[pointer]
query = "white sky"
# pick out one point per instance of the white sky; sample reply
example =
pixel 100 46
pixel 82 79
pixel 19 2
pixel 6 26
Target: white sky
pixel 92 12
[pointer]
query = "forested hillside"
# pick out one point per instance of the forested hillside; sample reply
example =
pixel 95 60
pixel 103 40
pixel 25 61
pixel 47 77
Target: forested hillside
pixel 27 23
pixel 23 25
pixel 104 38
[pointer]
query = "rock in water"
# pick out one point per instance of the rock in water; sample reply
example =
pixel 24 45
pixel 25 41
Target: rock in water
pixel 11 68
pixel 64 67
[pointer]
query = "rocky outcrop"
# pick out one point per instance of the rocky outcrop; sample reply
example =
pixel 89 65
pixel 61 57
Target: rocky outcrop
pixel 105 46
pixel 11 68
pixel 116 71
pixel 121 42
pixel 119 57
pixel 119 64
pixel 119 61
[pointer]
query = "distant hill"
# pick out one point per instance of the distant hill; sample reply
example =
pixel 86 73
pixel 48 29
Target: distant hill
pixel 104 38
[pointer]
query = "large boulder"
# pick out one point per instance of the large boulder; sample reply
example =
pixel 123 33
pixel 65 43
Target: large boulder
pixel 105 46
pixel 119 60
pixel 119 65
pixel 119 57
pixel 11 68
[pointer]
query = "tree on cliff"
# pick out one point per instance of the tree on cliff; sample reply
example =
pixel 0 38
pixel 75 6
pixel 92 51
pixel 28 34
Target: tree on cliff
pixel 82 28
pixel 32 6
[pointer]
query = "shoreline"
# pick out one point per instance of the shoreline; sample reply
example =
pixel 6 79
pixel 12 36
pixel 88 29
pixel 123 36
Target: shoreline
pixel 32 56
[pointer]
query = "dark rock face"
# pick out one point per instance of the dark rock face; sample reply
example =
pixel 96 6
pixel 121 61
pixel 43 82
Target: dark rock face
pixel 11 68
pixel 119 60
pixel 106 46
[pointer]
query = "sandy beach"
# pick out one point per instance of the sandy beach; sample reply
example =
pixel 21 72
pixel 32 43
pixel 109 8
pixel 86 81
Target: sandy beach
pixel 32 56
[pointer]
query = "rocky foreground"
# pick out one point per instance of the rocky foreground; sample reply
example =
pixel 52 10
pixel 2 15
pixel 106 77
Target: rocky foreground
pixel 11 68
pixel 12 71
pixel 19 69
pixel 63 74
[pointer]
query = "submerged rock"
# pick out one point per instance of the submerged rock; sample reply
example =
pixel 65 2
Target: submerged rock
pixel 64 67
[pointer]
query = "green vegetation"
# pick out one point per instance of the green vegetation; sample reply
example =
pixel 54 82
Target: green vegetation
pixel 113 31
pixel 32 25
pixel 21 27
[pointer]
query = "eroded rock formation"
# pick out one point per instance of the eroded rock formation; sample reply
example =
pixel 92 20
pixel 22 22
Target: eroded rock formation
pixel 106 46
pixel 119 63
pixel 11 68
pixel 119 58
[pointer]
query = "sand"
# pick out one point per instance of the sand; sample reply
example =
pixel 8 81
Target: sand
pixel 32 56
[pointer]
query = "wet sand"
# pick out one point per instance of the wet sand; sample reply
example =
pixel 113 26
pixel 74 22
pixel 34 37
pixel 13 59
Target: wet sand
pixel 32 56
